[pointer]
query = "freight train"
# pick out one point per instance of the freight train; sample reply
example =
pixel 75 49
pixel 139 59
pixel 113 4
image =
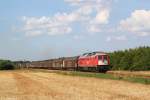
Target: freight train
pixel 95 61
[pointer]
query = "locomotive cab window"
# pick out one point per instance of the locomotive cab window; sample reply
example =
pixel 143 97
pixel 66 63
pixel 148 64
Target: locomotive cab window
pixel 99 57
pixel 105 60
pixel 105 57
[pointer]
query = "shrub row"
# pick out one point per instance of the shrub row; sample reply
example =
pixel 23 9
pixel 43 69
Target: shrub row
pixel 6 65
pixel 132 59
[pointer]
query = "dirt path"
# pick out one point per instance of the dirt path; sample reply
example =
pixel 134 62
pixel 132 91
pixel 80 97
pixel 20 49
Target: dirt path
pixel 23 85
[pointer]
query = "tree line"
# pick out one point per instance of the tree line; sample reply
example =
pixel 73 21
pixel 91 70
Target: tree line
pixel 131 59
pixel 6 65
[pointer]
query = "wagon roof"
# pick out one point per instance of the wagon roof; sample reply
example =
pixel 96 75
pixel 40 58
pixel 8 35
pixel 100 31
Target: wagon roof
pixel 57 59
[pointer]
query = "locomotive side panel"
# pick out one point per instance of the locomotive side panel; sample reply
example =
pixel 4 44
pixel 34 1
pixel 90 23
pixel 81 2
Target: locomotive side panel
pixel 88 62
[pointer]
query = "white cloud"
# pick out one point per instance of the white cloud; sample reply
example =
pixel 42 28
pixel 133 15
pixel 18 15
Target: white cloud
pixel 57 25
pixel 74 2
pixel 121 38
pixel 102 17
pixel 138 23
pixel 33 33
pixel 59 31
pixel 95 3
pixel 101 8
pixel 78 37
pixel 100 20
pixel 116 38
pixel 108 39
pixel 94 28
pixel 61 22
pixel 85 10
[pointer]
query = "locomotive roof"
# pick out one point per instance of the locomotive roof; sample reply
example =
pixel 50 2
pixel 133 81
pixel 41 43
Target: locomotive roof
pixel 93 54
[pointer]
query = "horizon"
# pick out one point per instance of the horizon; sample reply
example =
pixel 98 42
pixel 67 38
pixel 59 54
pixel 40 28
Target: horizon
pixel 38 30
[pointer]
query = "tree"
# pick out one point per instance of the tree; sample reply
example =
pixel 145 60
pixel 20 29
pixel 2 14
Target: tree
pixel 6 65
pixel 131 59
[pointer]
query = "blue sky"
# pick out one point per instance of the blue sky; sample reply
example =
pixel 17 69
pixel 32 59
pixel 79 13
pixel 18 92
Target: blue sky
pixel 43 29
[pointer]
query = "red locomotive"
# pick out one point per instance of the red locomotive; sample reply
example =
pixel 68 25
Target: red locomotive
pixel 94 61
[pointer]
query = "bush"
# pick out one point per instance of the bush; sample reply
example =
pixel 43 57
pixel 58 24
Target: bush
pixel 6 65
pixel 136 59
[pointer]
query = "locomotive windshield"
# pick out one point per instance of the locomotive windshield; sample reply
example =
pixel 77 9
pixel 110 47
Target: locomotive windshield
pixel 99 57
pixel 105 59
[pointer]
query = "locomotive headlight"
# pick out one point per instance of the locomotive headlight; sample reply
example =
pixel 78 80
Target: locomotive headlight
pixel 100 62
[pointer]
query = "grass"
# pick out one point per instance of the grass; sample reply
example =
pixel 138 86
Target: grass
pixel 106 76
pixel 98 75
pixel 138 80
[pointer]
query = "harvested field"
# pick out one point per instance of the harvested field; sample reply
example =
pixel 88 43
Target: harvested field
pixel 30 85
